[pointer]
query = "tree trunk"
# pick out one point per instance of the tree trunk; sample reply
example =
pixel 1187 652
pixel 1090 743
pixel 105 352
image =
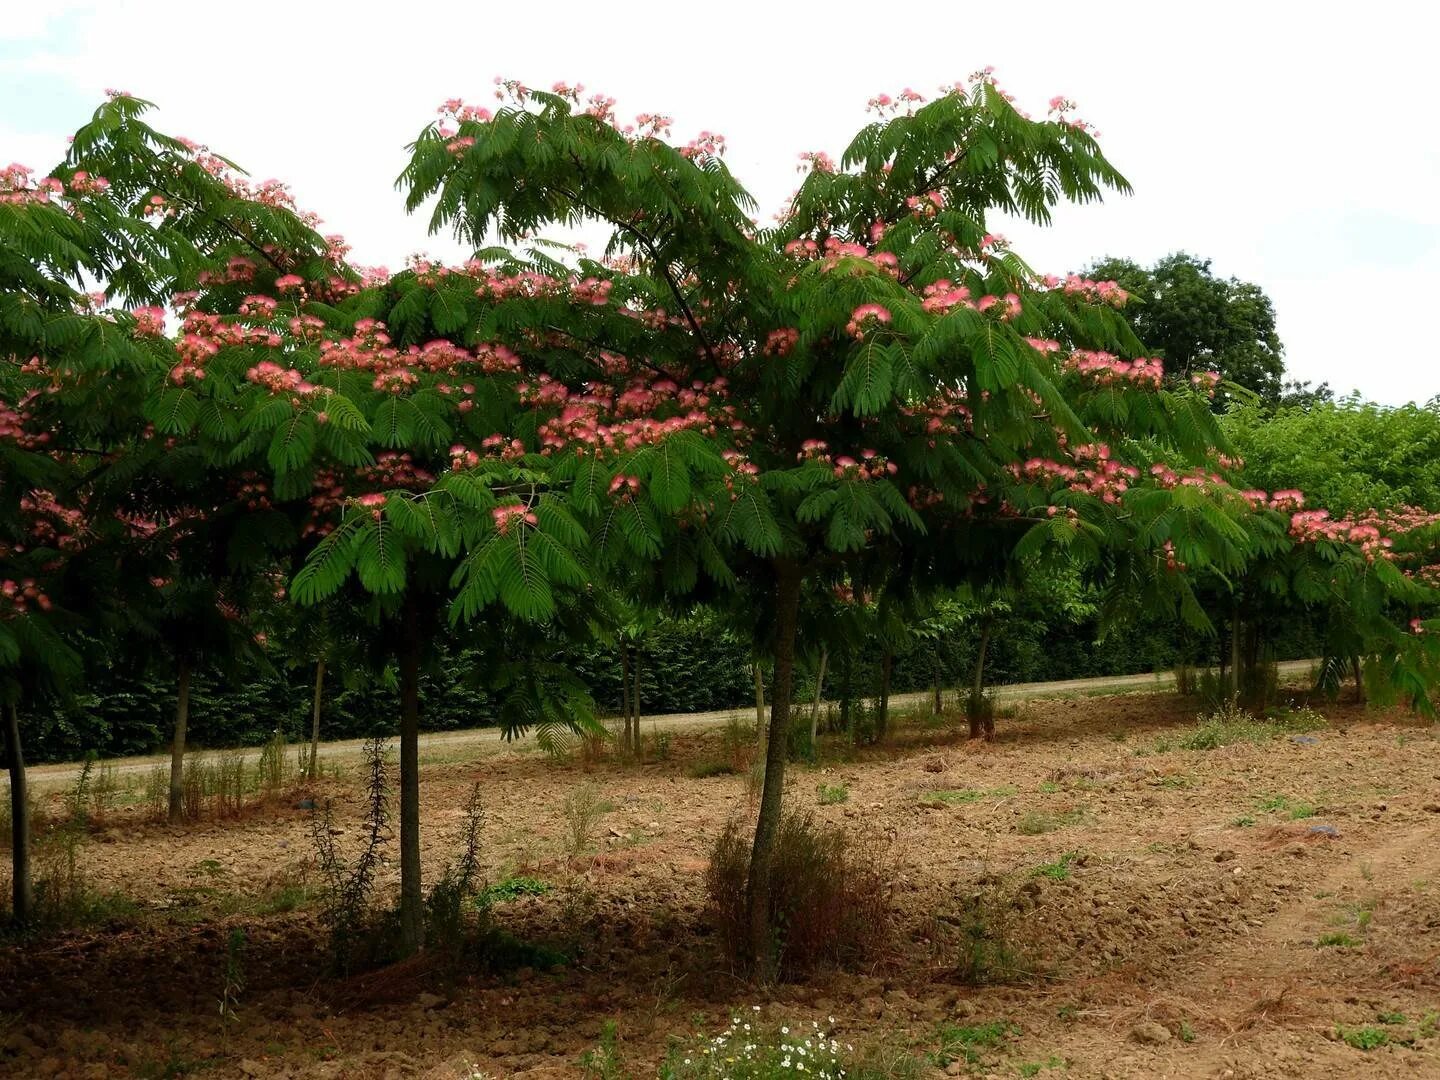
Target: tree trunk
pixel 759 706
pixel 23 895
pixel 315 719
pixel 819 694
pixel 787 610
pixel 412 900
pixel 938 704
pixel 1359 680
pixel 1236 651
pixel 978 721
pixel 625 709
pixel 177 745
pixel 635 703
pixel 847 695
pixel 882 714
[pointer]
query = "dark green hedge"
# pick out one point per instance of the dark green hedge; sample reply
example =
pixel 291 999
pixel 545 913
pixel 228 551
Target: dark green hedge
pixel 686 665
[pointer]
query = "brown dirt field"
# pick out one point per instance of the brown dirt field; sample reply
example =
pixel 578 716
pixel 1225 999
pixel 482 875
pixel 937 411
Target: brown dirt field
pixel 1176 942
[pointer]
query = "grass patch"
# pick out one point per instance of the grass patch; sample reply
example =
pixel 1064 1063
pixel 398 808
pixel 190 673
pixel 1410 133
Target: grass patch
pixel 1294 809
pixel 1033 1068
pixel 832 794
pixel 1337 940
pixel 1243 822
pixel 1036 822
pixel 1230 725
pixel 511 888
pixel 1058 870
pixel 964 1043
pixel 961 796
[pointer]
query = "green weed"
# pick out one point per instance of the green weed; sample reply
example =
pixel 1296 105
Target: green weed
pixel 1058 870
pixel 1363 1038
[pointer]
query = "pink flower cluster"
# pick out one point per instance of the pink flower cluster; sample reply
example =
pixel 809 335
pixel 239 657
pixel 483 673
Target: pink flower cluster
pixel 943 295
pixel 780 342
pixel 866 317
pixel 1007 307
pixel 279 380
pixel 19 596
pixel 1096 292
pixel 884 103
pixel 817 161
pixel 599 419
pixel 871 466
pixel 507 516
pixel 1285 501
pixel 1166 477
pixel 1106 370
pixel 18 189
pixel 1374 531
pixel 12 427
pixel 1094 471
pixel 149 322
pixel 1205 381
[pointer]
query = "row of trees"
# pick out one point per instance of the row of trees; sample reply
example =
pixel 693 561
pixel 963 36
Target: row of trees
pixel 852 417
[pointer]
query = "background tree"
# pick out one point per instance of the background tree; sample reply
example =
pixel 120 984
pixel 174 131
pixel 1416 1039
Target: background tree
pixel 1197 322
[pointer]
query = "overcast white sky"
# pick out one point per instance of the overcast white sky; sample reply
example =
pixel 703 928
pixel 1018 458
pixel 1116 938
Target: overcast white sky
pixel 1295 144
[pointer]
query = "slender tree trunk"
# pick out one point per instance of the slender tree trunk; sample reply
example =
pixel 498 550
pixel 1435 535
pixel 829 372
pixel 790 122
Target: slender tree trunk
pixel 759 705
pixel 177 745
pixel 1236 650
pixel 315 719
pixel 412 900
pixel 819 695
pixel 625 709
pixel 938 704
pixel 23 896
pixel 1359 679
pixel 978 722
pixel 847 695
pixel 787 610
pixel 635 704
pixel 882 714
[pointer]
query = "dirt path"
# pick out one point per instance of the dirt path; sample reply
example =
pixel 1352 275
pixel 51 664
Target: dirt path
pixel 60 774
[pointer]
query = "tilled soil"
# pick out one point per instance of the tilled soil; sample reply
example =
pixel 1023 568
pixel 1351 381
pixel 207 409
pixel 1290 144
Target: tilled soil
pixel 1146 912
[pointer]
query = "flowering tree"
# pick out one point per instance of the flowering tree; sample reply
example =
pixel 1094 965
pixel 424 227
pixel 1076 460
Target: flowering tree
pixel 875 372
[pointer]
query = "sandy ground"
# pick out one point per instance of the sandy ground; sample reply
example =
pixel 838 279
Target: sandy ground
pixel 1221 913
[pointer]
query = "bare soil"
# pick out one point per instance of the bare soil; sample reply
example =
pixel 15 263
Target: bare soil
pixel 1180 929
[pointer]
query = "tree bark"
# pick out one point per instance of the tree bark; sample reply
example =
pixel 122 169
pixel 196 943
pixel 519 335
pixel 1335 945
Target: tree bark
pixel 315 719
pixel 819 693
pixel 635 704
pixel 23 887
pixel 759 705
pixel 978 723
pixel 787 610
pixel 625 709
pixel 847 695
pixel 412 900
pixel 1359 680
pixel 177 745
pixel 1236 652
pixel 938 704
